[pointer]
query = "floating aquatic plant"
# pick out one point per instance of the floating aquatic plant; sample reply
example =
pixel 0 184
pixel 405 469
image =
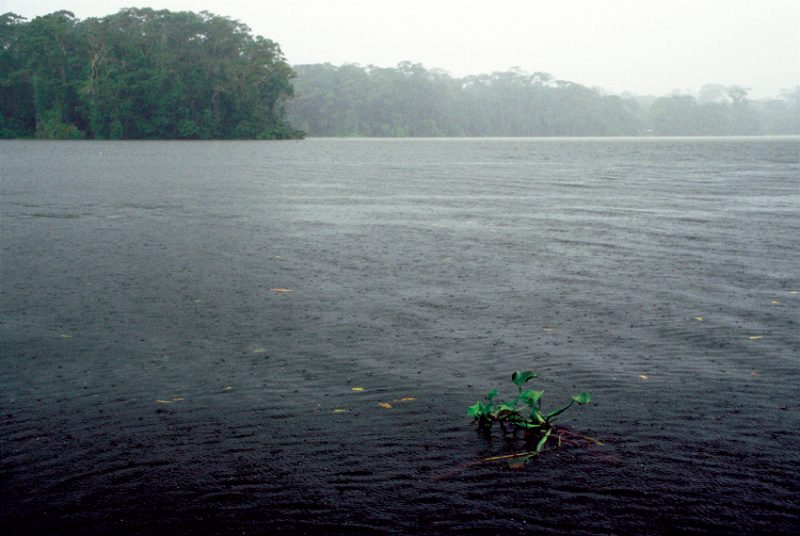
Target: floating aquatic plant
pixel 525 411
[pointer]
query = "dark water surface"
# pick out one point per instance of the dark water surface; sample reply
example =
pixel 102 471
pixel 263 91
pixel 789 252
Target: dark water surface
pixel 152 382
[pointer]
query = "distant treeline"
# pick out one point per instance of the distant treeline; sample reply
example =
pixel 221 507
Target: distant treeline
pixel 409 100
pixel 146 74
pixel 140 74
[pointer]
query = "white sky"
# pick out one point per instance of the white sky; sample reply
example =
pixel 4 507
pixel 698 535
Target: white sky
pixel 642 46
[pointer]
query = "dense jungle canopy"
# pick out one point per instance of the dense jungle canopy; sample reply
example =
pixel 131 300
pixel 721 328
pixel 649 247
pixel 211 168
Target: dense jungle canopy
pixel 147 74
pixel 140 74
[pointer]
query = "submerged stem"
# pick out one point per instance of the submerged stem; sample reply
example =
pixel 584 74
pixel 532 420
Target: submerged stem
pixel 510 456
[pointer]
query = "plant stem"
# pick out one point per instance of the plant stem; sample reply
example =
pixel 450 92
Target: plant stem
pixel 510 456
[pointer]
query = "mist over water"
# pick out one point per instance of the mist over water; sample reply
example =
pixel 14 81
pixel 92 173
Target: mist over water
pixel 648 47
pixel 181 324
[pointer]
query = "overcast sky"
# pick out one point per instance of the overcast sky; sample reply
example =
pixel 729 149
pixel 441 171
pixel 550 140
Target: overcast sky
pixel 642 46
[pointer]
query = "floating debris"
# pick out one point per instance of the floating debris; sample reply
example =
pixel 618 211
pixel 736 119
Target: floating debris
pixel 699 318
pixel 340 410
pixel 173 399
pixel 644 377
pixel 385 405
pixel 359 389
pixel 756 337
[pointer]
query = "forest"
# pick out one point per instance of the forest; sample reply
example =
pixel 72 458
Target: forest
pixel 410 100
pixel 147 74
pixel 140 74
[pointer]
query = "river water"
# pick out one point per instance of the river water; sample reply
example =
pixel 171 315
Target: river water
pixel 251 337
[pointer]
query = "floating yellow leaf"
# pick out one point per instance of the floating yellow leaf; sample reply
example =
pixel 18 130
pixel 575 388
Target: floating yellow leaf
pixel 259 350
pixel 405 399
pixel 163 401
pixel 776 302
pixel 699 318
pixel 756 337
pixel 227 388
pixel 178 399
pixel 340 410
pixel 385 405
pixel 281 290
pixel 358 389
pixel 644 377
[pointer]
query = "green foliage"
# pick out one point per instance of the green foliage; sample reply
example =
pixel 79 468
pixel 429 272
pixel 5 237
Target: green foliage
pixel 51 127
pixel 17 114
pixel 141 74
pixel 156 74
pixel 409 100
pixel 520 378
pixel 524 410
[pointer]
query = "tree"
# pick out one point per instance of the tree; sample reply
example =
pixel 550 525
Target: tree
pixel 409 100
pixel 142 74
pixel 52 56
pixel 18 117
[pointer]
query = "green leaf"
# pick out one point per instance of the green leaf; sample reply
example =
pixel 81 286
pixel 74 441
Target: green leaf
pixel 474 410
pixel 520 377
pixel 502 406
pixel 531 397
pixel 491 394
pixel 582 398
